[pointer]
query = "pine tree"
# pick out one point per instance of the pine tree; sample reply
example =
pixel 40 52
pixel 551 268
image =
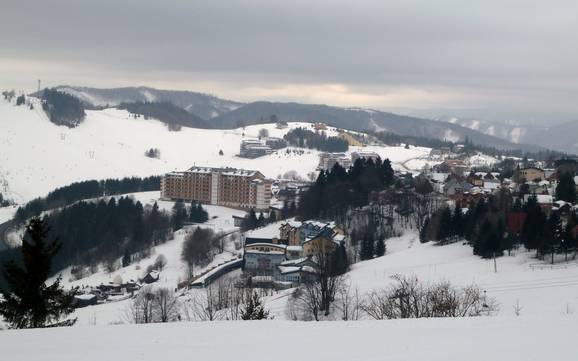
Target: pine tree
pixel 367 248
pixel 555 234
pixel 566 189
pixel 29 302
pixel 126 258
pixel 445 231
pixel 179 215
pixel 380 248
pixel 458 222
pixel 340 262
pixel 254 309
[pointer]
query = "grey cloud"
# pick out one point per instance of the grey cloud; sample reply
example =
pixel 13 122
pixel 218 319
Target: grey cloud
pixel 521 51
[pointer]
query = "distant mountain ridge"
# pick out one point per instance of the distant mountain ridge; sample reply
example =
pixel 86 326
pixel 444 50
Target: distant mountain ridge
pixel 203 105
pixel 219 113
pixel 360 119
pixel 562 137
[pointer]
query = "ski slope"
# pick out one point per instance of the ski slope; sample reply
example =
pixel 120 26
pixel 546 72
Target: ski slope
pixel 37 156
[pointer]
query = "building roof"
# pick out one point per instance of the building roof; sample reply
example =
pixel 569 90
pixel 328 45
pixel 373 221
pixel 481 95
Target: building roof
pixel 269 231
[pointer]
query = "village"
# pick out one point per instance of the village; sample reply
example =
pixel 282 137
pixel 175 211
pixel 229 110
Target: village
pixel 279 252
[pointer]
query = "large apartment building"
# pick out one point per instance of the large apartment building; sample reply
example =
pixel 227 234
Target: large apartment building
pixel 229 187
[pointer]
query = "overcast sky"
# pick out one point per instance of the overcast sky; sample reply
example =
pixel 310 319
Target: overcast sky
pixel 518 56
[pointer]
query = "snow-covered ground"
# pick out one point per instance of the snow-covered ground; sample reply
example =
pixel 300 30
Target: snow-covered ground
pixel 540 289
pixel 7 213
pixel 37 156
pixel 475 339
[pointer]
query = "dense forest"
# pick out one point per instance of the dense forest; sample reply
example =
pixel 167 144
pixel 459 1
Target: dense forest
pixel 168 113
pixel 97 232
pixel 62 109
pixel 338 189
pixel 113 232
pixel 83 190
pixel 301 137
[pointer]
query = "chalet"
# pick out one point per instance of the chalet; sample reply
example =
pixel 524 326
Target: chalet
pixel 151 277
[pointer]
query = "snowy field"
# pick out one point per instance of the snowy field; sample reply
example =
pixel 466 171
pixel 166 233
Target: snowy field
pixel 37 156
pixel 479 339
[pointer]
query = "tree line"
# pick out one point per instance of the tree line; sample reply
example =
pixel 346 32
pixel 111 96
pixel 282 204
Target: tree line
pixel 71 193
pixel 304 138
pixel 101 232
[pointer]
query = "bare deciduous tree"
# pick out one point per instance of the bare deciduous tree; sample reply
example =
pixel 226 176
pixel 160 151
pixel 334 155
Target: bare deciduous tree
pixel 349 302
pixel 140 310
pixel 166 305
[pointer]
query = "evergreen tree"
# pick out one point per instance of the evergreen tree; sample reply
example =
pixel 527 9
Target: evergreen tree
pixel 29 302
pixel 272 217
pixel 179 215
pixel 445 225
pixel 250 221
pixel 20 100
pixel 340 262
pixel 126 258
pixel 556 233
pixel 458 222
pixel 367 248
pixel 380 248
pixel 261 220
pixel 566 189
pixel 254 309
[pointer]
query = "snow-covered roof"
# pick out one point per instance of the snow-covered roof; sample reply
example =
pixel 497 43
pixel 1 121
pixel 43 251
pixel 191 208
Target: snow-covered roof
pixel 269 231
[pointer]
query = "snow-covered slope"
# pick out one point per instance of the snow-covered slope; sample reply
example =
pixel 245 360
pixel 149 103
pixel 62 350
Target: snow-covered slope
pixel 480 339
pixel 37 156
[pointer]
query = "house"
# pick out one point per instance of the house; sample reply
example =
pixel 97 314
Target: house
pixel 295 274
pixel 529 174
pixel 453 186
pixel 297 271
pixel 151 277
pixel 322 243
pixel 290 231
pixel 455 166
pixel 475 179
